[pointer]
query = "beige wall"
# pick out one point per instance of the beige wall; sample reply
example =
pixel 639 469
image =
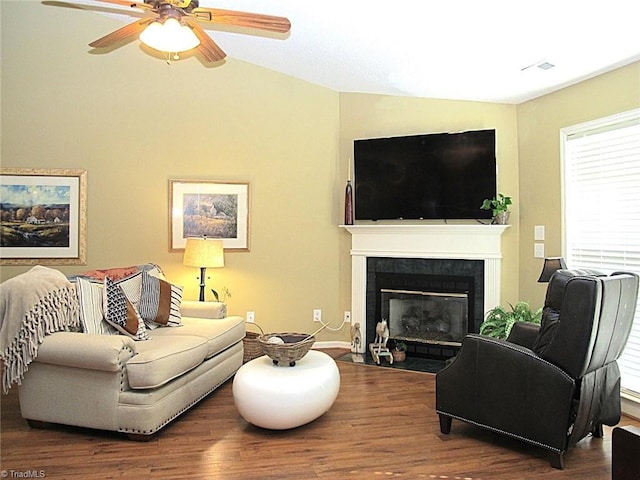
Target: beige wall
pixel 135 122
pixel 366 116
pixel 539 124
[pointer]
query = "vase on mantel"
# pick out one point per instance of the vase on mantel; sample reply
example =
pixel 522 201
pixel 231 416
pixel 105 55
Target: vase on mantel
pixel 348 204
pixel 501 218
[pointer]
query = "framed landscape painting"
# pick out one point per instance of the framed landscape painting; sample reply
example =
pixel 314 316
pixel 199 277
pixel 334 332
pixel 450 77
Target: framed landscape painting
pixel 43 216
pixel 200 208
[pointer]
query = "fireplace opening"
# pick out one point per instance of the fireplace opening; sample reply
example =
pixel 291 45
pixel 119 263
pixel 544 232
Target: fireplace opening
pixel 430 313
pixel 425 317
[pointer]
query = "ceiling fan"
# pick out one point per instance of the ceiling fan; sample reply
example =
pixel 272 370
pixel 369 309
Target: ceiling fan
pixel 183 16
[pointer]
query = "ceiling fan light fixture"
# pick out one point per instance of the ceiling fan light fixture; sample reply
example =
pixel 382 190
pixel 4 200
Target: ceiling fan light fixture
pixel 169 36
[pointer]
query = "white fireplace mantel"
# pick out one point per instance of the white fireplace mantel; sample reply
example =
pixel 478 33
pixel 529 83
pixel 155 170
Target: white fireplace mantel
pixel 466 242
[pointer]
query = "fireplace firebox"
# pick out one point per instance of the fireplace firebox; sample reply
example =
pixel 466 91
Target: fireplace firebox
pixel 429 304
pixel 425 317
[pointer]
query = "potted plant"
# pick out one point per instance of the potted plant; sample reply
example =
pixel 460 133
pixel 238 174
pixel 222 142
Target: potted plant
pixel 399 352
pixel 225 294
pixel 499 207
pixel 499 321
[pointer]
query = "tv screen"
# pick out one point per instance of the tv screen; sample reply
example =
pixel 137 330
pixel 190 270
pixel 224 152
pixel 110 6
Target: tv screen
pixel 432 176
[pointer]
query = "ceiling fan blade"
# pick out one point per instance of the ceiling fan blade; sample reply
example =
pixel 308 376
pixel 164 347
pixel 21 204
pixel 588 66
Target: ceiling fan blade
pixel 121 34
pixel 242 19
pixel 97 8
pixel 208 48
pixel 126 3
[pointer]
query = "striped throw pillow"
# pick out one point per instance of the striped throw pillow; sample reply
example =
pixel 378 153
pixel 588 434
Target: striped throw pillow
pixel 160 302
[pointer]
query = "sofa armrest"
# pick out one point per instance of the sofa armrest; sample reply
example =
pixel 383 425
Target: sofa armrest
pixel 88 351
pixel 192 308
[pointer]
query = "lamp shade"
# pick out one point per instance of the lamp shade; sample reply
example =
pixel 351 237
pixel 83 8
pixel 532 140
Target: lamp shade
pixel 203 252
pixel 170 36
pixel 550 266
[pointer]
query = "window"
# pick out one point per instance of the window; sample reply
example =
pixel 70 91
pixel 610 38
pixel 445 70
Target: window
pixel 601 183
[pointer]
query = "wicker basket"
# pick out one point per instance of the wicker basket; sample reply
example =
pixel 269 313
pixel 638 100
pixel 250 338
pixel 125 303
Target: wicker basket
pixel 252 348
pixel 295 346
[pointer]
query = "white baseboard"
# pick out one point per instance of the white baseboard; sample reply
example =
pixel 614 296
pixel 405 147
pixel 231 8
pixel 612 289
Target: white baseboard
pixel 331 344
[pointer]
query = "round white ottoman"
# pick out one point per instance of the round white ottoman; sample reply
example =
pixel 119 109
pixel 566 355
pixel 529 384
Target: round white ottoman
pixel 280 397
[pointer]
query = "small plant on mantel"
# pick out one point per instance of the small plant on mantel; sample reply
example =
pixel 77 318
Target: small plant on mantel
pixel 499 207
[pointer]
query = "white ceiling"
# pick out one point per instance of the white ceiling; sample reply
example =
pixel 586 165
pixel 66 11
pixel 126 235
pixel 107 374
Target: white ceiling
pixel 453 49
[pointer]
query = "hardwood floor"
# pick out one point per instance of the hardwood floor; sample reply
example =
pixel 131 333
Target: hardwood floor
pixel 382 425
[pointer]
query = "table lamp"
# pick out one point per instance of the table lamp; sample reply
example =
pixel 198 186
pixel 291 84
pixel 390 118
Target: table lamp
pixel 550 266
pixel 203 253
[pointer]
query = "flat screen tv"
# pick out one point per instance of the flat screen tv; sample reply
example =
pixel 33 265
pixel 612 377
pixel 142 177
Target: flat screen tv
pixel 442 176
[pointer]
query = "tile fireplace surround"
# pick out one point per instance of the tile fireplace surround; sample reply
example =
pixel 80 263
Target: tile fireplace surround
pixel 466 242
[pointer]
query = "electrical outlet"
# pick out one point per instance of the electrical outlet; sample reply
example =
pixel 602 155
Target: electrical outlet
pixel 538 250
pixel 251 317
pixel 317 315
pixel 347 316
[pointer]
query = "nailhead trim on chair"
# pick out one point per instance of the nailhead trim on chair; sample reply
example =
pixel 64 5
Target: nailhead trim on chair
pixel 512 435
pixel 525 351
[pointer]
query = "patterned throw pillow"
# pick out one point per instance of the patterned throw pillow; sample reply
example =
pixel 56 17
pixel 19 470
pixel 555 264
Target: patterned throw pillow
pixel 120 312
pixel 129 278
pixel 114 274
pixel 91 314
pixel 160 302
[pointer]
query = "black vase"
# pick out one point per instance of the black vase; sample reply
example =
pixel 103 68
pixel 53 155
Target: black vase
pixel 348 204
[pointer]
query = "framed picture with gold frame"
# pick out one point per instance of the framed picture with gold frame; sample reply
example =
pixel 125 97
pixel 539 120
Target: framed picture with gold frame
pixel 43 216
pixel 212 209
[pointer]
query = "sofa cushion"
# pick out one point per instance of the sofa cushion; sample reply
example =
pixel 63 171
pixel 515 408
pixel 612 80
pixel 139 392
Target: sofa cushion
pixel 91 314
pixel 164 358
pixel 159 302
pixel 219 334
pixel 120 312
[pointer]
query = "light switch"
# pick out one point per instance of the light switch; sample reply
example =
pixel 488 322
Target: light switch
pixel 538 250
pixel 538 232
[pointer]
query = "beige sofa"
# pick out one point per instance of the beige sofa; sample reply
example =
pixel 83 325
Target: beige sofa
pixel 81 371
pixel 111 382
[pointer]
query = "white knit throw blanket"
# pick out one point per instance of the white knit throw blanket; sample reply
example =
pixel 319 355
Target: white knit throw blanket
pixel 32 305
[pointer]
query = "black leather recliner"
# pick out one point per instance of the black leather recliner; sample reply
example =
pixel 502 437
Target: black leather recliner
pixel 550 385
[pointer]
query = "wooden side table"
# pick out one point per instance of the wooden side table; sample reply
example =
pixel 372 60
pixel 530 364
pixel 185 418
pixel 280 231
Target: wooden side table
pixel 625 453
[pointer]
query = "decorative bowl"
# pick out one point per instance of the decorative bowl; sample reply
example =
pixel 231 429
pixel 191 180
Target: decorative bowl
pixel 286 347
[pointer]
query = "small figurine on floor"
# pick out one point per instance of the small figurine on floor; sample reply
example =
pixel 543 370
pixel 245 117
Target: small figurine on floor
pixel 356 337
pixel 382 334
pixel 379 347
pixel 356 340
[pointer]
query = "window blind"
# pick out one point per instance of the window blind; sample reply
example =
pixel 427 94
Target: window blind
pixel 601 185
